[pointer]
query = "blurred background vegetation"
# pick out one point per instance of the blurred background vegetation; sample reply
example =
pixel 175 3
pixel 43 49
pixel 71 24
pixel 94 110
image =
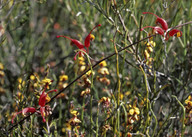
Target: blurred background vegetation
pixel 28 46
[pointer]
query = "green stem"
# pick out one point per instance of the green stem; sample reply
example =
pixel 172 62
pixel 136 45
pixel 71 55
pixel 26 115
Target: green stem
pixel 82 115
pixel 155 120
pixel 125 112
pixel 119 85
pixel 97 120
pixel 91 117
pixel 147 96
pixel 183 124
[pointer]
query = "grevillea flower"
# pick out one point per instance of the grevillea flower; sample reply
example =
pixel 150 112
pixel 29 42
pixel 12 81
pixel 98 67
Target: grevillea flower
pixel 173 32
pixel 168 32
pixel 159 21
pixel 24 111
pixel 44 98
pixel 89 38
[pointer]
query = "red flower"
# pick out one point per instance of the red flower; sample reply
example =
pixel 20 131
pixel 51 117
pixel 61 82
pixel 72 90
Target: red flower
pixel 44 98
pixel 24 111
pixel 159 20
pixel 173 32
pixel 79 44
pixel 88 38
pixel 168 32
pixel 73 41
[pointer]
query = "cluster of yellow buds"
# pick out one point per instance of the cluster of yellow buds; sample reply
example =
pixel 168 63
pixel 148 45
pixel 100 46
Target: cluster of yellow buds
pixel 147 52
pixel 188 107
pixel 34 81
pixel 81 67
pixel 81 64
pixel 62 84
pixel 133 114
pixel 62 81
pixel 21 83
pixel 2 74
pixel 103 70
pixel 20 96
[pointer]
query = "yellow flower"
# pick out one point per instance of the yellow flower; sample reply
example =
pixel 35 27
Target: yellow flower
pixel 136 110
pixel 20 96
pixel 89 73
pixel 105 101
pixel 106 128
pixel 81 63
pixel 103 71
pixel 63 78
pixel 82 68
pixel 146 54
pixel 62 86
pixel 74 112
pixel 133 114
pixel 81 58
pixel 104 80
pixel 46 82
pixel 188 101
pixel 87 82
pixel 32 77
pixel 85 92
pixel 149 49
pixel 21 83
pixel 151 43
pixel 103 64
pixel 92 37
pixel 131 111
pixel 74 121
pixel 19 80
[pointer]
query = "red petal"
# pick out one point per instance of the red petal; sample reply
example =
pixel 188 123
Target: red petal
pixel 176 32
pixel 54 90
pixel 157 29
pixel 74 41
pixel 87 39
pixel 42 110
pixel 24 111
pixel 159 20
pixel 42 99
pixel 79 53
